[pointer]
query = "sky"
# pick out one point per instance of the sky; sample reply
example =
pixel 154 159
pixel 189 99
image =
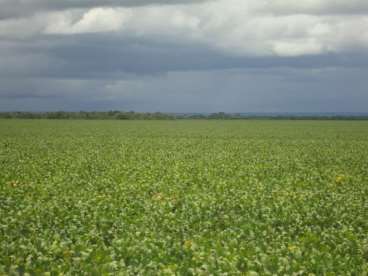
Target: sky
pixel 184 55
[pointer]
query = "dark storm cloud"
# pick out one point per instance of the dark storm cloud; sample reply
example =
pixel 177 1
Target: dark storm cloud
pixel 106 71
pixel 250 90
pixel 109 56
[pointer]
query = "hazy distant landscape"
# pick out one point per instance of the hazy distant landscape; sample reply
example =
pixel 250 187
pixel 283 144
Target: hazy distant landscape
pixel 131 115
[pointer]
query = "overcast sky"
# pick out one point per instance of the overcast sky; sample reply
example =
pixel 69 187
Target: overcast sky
pixel 184 56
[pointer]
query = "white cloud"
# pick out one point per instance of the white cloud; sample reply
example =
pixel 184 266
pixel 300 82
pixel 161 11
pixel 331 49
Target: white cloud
pixel 238 27
pixel 92 21
pixel 316 6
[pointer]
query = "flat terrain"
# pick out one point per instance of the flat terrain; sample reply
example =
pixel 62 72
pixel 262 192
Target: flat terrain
pixel 184 197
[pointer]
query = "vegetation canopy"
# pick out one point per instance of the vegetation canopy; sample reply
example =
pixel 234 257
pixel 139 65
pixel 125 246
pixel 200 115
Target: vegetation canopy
pixel 183 197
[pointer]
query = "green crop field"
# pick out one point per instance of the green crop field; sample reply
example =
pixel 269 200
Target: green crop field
pixel 183 197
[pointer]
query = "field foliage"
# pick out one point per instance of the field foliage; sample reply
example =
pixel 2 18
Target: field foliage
pixel 183 197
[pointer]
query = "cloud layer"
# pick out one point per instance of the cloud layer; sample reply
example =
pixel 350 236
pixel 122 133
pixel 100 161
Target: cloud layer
pixel 64 44
pixel 252 27
pixel 19 8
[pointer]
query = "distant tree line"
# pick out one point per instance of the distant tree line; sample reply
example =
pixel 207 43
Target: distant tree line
pixel 90 115
pixel 131 115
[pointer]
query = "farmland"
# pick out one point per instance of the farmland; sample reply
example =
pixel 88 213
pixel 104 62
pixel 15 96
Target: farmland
pixel 183 197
